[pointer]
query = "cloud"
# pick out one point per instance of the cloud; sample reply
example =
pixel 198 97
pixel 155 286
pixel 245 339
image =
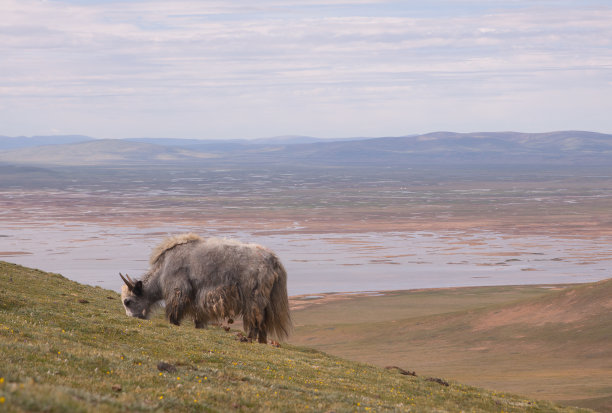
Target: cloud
pixel 160 63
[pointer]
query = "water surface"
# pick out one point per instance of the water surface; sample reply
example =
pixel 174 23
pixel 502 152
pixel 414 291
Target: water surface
pixel 94 254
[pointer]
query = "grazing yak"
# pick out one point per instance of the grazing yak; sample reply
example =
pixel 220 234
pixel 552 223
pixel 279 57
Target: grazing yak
pixel 210 280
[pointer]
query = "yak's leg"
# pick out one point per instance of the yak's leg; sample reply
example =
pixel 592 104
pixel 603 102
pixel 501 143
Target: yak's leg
pixel 199 318
pixel 263 335
pixel 260 310
pixel 254 318
pixel 253 332
pixel 175 307
pixel 250 327
pixel 200 323
pixel 257 327
pixel 178 297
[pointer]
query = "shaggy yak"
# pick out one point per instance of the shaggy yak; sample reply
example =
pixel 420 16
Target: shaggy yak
pixel 210 280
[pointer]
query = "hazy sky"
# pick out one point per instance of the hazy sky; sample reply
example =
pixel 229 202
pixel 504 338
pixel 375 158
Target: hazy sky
pixel 335 68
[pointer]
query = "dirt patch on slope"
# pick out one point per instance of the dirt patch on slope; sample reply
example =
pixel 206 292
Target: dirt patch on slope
pixel 569 306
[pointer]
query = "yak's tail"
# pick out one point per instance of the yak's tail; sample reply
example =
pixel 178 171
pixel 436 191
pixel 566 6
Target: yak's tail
pixel 277 318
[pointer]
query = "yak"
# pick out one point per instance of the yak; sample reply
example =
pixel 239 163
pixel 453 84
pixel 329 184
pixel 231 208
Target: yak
pixel 210 280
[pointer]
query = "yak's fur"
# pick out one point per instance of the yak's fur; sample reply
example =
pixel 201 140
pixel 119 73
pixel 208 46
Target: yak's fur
pixel 211 280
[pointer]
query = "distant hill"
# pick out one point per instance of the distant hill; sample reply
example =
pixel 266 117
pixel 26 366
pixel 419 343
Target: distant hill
pixel 288 140
pixel 274 140
pixel 565 147
pixel 166 141
pixel 449 148
pixel 7 142
pixel 99 152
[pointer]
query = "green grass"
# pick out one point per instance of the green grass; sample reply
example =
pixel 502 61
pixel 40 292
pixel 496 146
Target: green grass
pixel 68 347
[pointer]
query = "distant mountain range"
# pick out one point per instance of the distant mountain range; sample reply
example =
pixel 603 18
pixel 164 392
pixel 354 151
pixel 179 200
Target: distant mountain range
pixel 28 142
pixel 573 147
pixel 7 142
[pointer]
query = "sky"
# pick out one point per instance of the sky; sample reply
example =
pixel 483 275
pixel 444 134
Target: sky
pixel 336 68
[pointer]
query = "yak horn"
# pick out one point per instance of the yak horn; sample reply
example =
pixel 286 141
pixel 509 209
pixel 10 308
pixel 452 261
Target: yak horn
pixel 127 282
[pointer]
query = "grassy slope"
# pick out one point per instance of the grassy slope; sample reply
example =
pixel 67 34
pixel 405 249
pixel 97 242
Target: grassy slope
pixel 550 344
pixel 63 346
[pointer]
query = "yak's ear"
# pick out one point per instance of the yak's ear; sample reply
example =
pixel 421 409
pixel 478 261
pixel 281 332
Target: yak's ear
pixel 137 290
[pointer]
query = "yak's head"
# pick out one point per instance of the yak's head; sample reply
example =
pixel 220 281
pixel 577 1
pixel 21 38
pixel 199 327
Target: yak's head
pixel 133 299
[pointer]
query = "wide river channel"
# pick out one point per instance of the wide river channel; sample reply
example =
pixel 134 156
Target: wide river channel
pixel 316 263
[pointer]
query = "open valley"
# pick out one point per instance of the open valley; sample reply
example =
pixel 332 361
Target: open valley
pixel 351 238
pixel 337 229
pixel 306 206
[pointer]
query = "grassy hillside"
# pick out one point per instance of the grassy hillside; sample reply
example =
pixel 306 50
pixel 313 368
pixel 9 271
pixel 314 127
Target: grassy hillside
pixel 543 342
pixel 69 347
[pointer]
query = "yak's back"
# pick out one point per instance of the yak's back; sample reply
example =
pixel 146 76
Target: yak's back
pixel 228 244
pixel 170 243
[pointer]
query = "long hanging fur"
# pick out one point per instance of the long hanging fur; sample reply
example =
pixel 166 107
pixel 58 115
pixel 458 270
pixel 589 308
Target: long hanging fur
pixel 278 319
pixel 214 279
